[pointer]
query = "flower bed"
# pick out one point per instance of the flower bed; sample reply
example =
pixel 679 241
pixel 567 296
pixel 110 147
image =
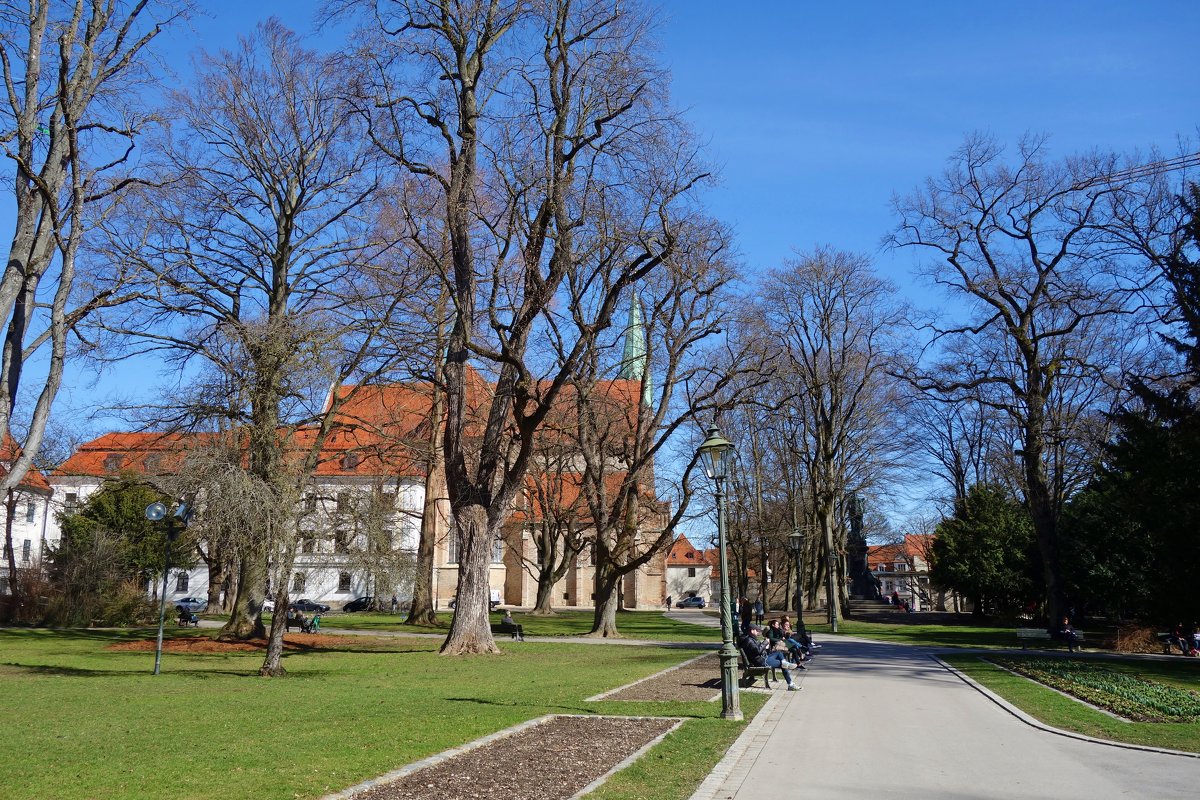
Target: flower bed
pixel 1130 697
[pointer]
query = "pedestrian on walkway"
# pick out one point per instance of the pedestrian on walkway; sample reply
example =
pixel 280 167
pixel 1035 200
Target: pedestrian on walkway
pixel 758 611
pixel 395 604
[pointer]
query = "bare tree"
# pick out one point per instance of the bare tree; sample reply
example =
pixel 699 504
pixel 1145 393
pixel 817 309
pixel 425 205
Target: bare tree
pixel 1029 244
pixel 259 259
pixel 836 325
pixel 68 124
pixel 545 129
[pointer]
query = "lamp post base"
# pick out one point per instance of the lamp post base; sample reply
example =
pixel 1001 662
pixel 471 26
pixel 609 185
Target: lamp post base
pixel 731 704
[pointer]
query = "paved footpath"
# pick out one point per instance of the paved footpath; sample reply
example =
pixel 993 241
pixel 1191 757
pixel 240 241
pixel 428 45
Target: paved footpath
pixel 884 720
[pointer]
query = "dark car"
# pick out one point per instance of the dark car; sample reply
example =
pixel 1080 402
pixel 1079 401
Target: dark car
pixel 691 602
pixel 304 604
pixel 359 603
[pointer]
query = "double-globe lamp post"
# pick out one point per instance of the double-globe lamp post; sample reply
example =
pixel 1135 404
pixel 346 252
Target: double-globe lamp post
pixel 715 454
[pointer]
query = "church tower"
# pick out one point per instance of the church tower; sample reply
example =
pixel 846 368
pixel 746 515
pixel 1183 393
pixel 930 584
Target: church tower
pixel 635 357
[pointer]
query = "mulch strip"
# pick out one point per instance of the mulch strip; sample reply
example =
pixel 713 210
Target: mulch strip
pixel 699 680
pixel 553 760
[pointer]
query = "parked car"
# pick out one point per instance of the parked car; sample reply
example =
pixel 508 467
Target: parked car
pixel 268 605
pixel 359 603
pixel 304 604
pixel 691 602
pixel 491 604
pixel 192 605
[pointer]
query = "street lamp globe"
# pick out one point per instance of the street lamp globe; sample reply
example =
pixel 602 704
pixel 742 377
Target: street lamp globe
pixel 715 452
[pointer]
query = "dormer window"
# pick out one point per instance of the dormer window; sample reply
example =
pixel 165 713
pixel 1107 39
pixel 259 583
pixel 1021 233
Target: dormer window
pixel 351 460
pixel 152 463
pixel 113 462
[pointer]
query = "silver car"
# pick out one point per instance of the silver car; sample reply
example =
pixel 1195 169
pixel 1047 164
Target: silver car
pixel 193 605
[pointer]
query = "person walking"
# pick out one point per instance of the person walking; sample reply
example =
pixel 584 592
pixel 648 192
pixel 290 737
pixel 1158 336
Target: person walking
pixel 758 611
pixel 395 604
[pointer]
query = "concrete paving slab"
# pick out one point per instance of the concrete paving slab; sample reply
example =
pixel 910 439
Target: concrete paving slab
pixel 880 720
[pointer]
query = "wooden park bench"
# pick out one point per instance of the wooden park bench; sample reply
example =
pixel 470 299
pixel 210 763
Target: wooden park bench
pixel 188 618
pixel 1043 637
pixel 516 631
pixel 749 672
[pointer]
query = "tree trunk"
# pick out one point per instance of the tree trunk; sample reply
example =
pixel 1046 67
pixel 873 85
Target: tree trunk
pixel 608 601
pixel 14 598
pixel 470 631
pixel 217 578
pixel 273 664
pixel 421 612
pixel 245 619
pixel 544 605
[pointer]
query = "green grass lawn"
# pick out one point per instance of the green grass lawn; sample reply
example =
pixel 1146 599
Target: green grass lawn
pixel 84 721
pixel 632 625
pixel 1058 711
pixel 929 635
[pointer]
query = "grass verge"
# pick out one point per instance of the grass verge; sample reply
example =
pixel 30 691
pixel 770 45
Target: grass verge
pixel 84 721
pixel 1062 712
pixel 928 635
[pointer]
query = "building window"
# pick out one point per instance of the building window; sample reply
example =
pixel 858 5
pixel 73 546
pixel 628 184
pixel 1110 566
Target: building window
pixel 343 502
pixel 113 462
pixel 691 572
pixel 31 511
pixel 308 543
pixel 70 502
pixel 498 550
pixel 310 503
pixel 181 582
pixel 298 582
pixel 26 550
pixel 452 548
pixel 343 581
pixel 341 541
pixel 152 463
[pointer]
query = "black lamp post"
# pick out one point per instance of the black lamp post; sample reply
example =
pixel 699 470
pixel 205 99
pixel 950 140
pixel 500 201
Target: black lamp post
pixel 154 513
pixel 715 454
pixel 796 543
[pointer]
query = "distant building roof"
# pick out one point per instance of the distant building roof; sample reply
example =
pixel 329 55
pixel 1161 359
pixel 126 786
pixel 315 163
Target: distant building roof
pixel 34 480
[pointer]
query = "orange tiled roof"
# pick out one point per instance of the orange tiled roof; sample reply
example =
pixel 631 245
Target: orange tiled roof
pixel 10 451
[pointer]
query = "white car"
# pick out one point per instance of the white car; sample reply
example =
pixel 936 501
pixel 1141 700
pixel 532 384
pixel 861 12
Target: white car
pixel 268 605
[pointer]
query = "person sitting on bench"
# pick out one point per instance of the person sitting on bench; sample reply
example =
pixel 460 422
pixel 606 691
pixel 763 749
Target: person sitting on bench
pixel 1065 633
pixel 510 625
pixel 757 652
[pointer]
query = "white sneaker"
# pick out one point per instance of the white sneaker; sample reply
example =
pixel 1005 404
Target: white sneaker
pixel 788 665
pixel 793 687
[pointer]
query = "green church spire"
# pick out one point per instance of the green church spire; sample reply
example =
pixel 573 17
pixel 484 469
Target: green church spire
pixel 634 359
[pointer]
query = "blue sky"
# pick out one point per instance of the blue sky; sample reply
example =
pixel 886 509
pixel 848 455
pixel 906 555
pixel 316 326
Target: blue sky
pixel 817 113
